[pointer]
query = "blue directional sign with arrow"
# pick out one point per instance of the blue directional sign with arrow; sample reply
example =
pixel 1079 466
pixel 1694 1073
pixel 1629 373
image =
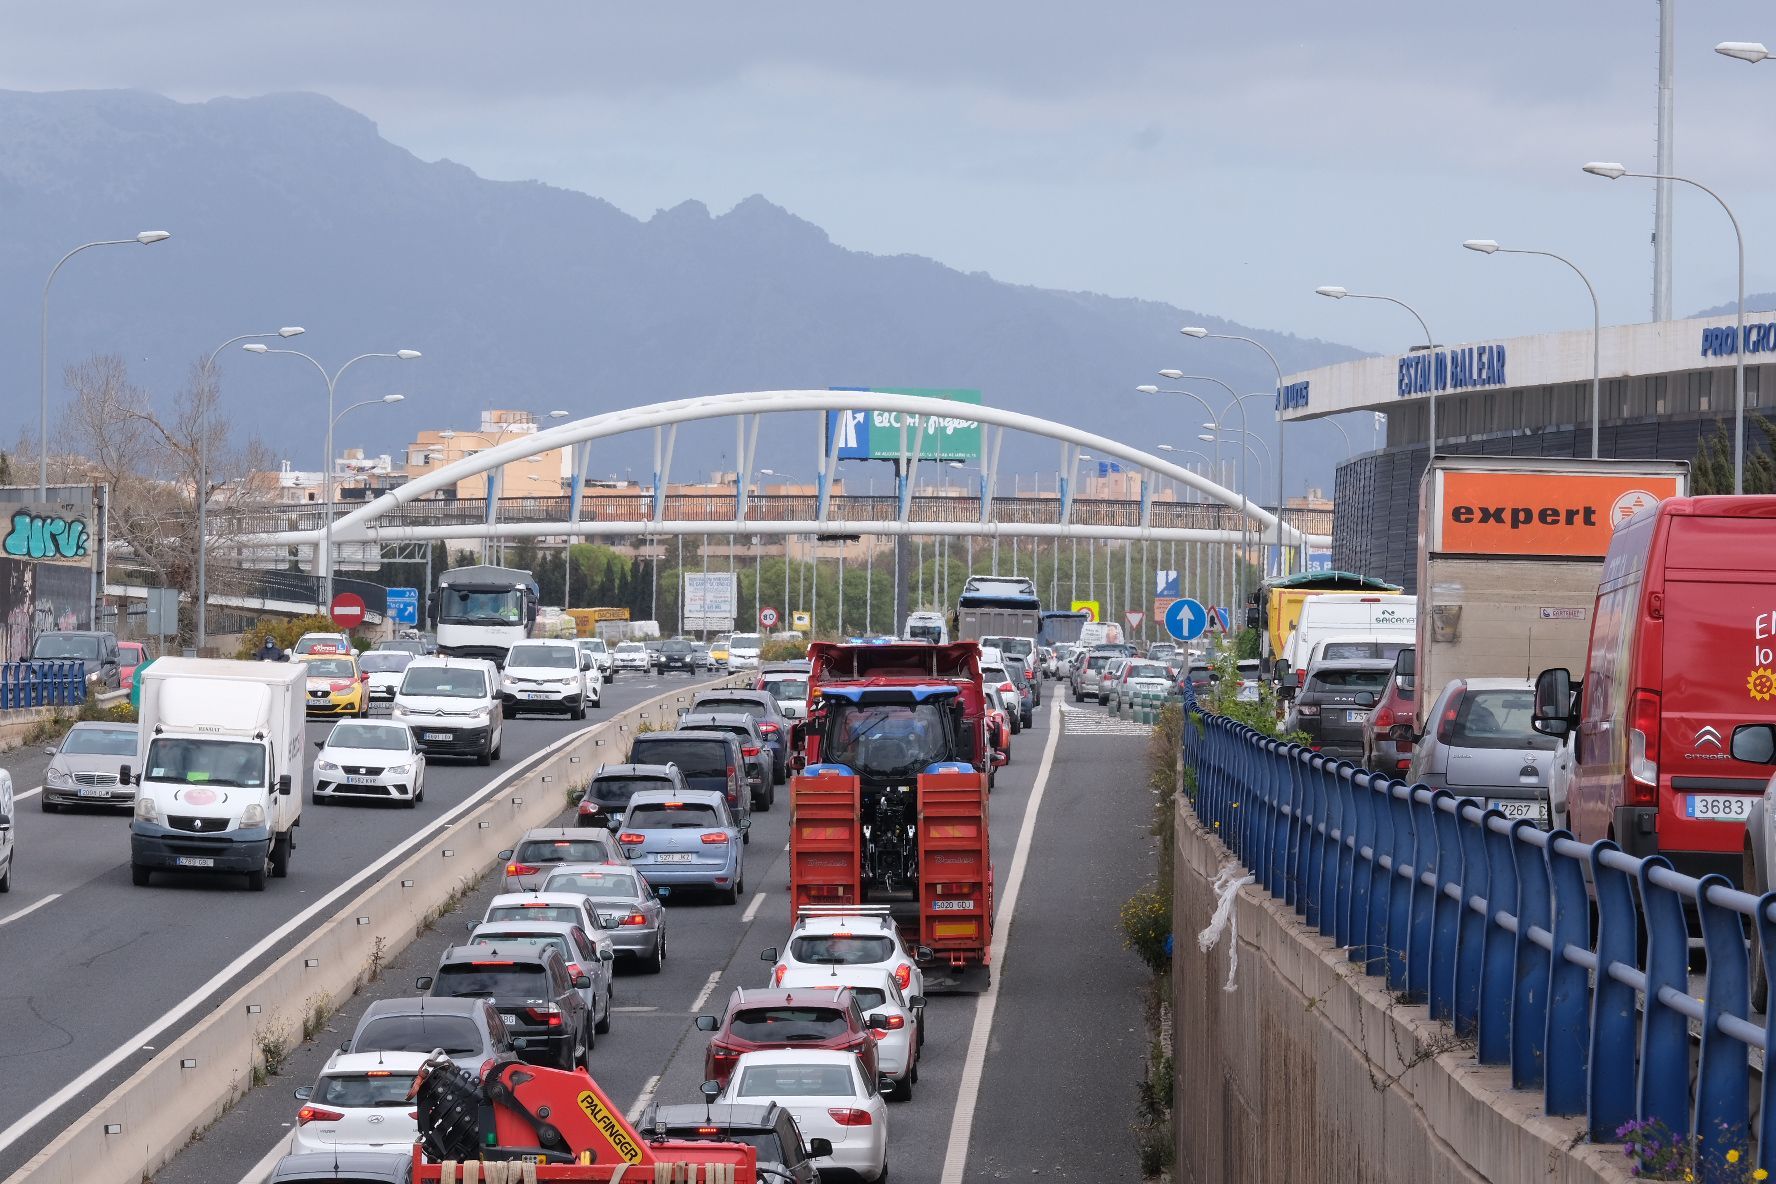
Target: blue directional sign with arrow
pixel 1186 619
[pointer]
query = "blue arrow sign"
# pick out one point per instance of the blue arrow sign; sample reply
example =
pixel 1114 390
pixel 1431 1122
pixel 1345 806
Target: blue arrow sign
pixel 1186 619
pixel 403 606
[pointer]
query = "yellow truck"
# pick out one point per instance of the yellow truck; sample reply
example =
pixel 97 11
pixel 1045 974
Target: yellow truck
pixel 1276 607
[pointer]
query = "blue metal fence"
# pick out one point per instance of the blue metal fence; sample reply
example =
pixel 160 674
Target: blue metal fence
pixel 42 684
pixel 1489 921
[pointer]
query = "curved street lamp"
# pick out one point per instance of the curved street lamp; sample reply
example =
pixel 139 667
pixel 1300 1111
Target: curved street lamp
pixel 1338 293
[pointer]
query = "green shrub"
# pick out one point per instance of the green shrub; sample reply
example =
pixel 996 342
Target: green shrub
pixel 286 631
pixel 1146 923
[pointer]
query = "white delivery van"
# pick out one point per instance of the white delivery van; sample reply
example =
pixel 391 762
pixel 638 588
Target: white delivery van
pixel 6 824
pixel 926 626
pixel 220 770
pixel 1100 633
pixel 1378 616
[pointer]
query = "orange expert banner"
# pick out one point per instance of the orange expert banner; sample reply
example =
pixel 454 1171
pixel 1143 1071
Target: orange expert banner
pixel 1570 514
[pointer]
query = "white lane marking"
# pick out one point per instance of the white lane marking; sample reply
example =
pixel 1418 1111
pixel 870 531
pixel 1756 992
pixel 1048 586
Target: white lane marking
pixel 30 908
pixel 257 1173
pixel 752 910
pixel 968 1093
pixel 635 1007
pixel 29 793
pixel 199 995
pixel 715 977
pixel 641 1102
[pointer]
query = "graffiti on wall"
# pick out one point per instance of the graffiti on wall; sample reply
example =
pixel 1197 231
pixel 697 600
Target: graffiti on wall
pixel 45 536
pixel 40 598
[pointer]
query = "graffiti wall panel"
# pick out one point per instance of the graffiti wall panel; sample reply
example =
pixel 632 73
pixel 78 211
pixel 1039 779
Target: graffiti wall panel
pixel 37 598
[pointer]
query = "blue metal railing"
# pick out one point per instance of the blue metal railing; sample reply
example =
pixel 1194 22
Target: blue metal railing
pixel 47 683
pixel 1489 921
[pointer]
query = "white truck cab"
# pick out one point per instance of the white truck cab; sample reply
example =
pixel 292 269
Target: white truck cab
pixel 220 771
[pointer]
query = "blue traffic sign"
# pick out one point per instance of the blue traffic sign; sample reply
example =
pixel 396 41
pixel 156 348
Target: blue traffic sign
pixel 403 606
pixel 1186 619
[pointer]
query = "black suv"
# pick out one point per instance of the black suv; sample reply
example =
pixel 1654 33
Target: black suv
pixel 707 760
pixel 769 1128
pixel 1335 704
pixel 541 1003
pixel 774 726
pixel 676 654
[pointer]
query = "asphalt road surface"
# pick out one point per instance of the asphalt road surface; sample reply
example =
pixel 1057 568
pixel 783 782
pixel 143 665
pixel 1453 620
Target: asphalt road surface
pixel 1054 1089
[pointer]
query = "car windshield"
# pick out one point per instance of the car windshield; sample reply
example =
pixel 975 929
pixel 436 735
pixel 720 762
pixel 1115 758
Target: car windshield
pixel 381 737
pixel 824 949
pixel 379 1087
pixel 694 758
pixel 632 647
pixel 743 641
pixel 444 682
pixel 706 704
pixel 609 885
pixel 100 742
pixel 786 688
pixel 234 763
pixel 1097 661
pixel 675 647
pixel 472 980
pixel 672 816
pixel 931 633
pixel 1145 670
pixel 740 730
pixel 455 1034
pixel 789 1025
pixel 528 940
pixel 616 791
pixel 570 914
pixel 546 657
pixel 1349 680
pixel 331 668
pixel 888 739
pixel 588 850
pixel 459 606
pixel 869 997
pixel 66 645
pixel 796 1081
pixel 1333 650
pixel 1498 719
pixel 384 661
pixel 1015 647
pixel 593 645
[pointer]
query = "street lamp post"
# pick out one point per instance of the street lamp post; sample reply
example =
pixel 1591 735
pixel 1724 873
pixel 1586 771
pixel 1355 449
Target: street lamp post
pixel 1488 247
pixel 146 238
pixel 1198 331
pixel 332 381
pixel 1612 172
pixel 1337 293
pixel 203 479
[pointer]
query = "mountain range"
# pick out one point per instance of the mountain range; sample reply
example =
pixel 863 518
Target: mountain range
pixel 291 208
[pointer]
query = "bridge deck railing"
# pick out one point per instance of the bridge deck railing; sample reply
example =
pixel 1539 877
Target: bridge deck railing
pixel 1489 921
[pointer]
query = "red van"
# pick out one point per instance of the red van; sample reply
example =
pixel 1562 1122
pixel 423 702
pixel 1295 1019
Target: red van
pixel 1683 649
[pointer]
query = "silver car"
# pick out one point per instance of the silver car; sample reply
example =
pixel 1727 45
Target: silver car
pixel 1106 680
pixel 541 851
pixel 586 953
pixel 83 767
pixel 1482 747
pixel 629 912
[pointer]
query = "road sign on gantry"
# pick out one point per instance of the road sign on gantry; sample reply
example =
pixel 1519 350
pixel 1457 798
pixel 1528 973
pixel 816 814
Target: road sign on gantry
pixel 403 606
pixel 1186 619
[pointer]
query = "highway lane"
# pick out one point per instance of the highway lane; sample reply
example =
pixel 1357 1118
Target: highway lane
pixel 1065 1044
pixel 86 972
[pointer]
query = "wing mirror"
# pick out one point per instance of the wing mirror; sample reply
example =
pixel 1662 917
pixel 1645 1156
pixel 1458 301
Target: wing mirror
pixel 304 1092
pixel 1365 698
pixel 711 1090
pixel 423 983
pixel 320 744
pixel 283 784
pixel 506 854
pixel 876 1021
pixel 123 775
pixel 1553 703
pixel 582 981
pixel 606 954
pixel 1755 744
pixel 819 1148
pixel 769 954
pixel 706 1023
pixel 49 750
pixel 915 1001
pixel 1001 758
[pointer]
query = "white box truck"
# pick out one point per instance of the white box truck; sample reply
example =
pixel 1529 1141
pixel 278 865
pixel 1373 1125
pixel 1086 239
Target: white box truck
pixel 220 768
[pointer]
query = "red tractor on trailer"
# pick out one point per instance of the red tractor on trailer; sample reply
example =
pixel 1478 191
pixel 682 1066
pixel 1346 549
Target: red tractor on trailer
pixel 890 806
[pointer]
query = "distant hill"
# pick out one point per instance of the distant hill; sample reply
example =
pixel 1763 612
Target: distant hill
pixel 293 209
pixel 1754 302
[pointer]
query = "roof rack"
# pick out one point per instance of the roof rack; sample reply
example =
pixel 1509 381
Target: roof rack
pixel 871 912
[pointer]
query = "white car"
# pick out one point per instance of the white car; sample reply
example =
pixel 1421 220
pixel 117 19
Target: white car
pixel 453 706
pixel 743 651
pixel 826 936
pixel 550 675
pixel 359 1103
pixel 601 655
pixel 631 655
pixel 322 643
pixel 887 1013
pixel 367 760
pixel 385 669
pixel 569 907
pixel 789 688
pixel 826 1093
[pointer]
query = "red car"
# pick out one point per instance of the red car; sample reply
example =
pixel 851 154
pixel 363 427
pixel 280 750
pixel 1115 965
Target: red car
pixel 776 1018
pixel 1388 740
pixel 130 656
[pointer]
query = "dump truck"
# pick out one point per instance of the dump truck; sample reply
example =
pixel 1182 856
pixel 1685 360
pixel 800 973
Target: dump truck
pixel 890 805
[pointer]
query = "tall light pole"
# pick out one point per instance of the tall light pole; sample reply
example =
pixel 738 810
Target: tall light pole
pixel 1239 404
pixel 203 478
pixel 1613 172
pixel 332 380
pixel 1199 332
pixel 1487 246
pixel 146 238
pixel 1337 293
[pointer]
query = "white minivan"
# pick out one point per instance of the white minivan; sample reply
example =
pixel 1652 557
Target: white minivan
pixel 1377 617
pixel 552 675
pixel 453 706
pixel 743 651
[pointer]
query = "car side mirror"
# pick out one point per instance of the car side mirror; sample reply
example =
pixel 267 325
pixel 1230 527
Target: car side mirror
pixel 711 1090
pixel 320 744
pixel 915 1001
pixel 606 954
pixel 876 1021
pixel 706 1023
pixel 819 1148
pixel 423 983
pixel 123 775
pixel 49 750
pixel 746 823
pixel 1001 758
pixel 769 954
pixel 506 854
pixel 283 784
pixel 663 891
pixel 582 981
pixel 1755 744
pixel 1553 703
pixel 5 822
pixel 304 1092
pixel 924 953
pixel 1365 698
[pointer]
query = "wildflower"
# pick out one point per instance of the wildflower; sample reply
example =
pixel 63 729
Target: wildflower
pixel 1760 1174
pixel 1733 1156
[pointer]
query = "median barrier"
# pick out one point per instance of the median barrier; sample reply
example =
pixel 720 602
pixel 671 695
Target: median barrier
pixel 125 1136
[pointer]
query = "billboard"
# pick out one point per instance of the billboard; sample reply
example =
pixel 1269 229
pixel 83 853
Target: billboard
pixel 1539 513
pixel 710 600
pixel 877 435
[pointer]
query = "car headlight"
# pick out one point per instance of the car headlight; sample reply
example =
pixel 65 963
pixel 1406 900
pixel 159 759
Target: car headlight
pixel 507 684
pixel 56 776
pixel 147 810
pixel 326 767
pixel 398 770
pixel 253 815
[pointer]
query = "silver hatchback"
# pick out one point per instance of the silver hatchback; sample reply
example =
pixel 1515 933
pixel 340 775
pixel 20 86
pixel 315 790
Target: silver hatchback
pixel 83 767
pixel 1480 746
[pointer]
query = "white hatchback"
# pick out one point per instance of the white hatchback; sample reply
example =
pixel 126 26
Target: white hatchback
pixel 825 1091
pixel 370 761
pixel 359 1103
pixel 550 675
pixel 847 937
pixel 630 655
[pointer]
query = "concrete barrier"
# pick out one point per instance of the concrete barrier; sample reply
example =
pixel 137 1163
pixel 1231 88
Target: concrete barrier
pixel 1309 1070
pixel 197 1076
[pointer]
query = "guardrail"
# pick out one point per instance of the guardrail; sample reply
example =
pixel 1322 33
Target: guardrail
pixel 1489 921
pixel 46 683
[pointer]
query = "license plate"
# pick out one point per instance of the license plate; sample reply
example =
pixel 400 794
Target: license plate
pixel 1356 717
pixel 353 780
pixel 1719 807
pixel 535 695
pixel 952 906
pixel 509 1018
pixel 672 858
pixel 194 861
pixel 1521 808
pixel 87 791
pixel 435 735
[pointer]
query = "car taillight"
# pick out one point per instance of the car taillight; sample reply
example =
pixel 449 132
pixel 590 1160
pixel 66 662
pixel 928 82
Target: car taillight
pixel 521 869
pixel 903 975
pixel 1306 709
pixel 1446 725
pixel 754 751
pixel 310 1114
pixel 715 837
pixel 573 970
pixel 485 1066
pixel 769 729
pixel 1382 717
pixel 631 837
pixel 846 1116
pixel 777 976
pixel 722 1051
pixel 591 808
pixel 550 1015
pixel 1643 751
pixel 895 1024
pixel 635 919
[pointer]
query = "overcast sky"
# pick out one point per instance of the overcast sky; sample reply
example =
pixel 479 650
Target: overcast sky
pixel 1225 157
